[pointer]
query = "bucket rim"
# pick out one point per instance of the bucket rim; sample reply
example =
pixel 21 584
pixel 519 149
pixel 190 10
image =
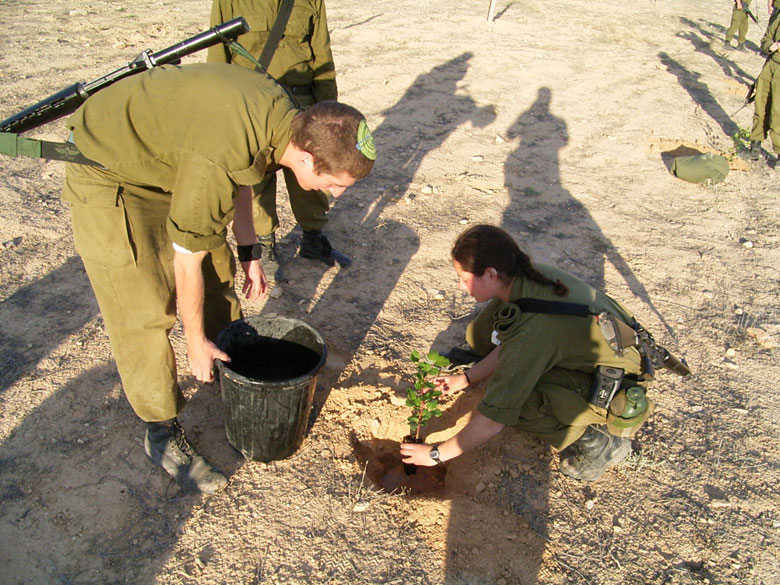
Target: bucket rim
pixel 224 367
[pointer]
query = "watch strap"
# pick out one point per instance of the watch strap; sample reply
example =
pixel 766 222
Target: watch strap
pixel 249 252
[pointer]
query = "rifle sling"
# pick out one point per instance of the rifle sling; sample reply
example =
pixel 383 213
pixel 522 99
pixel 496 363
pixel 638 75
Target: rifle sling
pixel 529 305
pixel 14 145
pixel 276 33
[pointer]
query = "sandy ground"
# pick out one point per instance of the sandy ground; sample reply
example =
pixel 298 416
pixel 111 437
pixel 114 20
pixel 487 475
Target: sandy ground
pixel 553 123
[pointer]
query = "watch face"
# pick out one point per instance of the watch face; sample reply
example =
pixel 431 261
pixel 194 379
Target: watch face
pixel 434 453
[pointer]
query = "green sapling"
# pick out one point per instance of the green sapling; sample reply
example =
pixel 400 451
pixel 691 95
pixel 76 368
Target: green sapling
pixel 422 398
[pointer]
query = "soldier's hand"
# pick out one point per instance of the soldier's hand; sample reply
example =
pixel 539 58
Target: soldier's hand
pixel 201 355
pixel 256 283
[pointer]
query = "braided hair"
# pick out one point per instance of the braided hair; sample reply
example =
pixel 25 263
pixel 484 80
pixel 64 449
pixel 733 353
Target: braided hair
pixel 483 246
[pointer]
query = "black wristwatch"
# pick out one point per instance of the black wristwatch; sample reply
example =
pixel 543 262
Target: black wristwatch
pixel 249 253
pixel 434 454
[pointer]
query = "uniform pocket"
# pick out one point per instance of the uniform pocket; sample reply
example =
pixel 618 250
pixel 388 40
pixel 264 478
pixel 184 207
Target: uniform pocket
pixel 100 229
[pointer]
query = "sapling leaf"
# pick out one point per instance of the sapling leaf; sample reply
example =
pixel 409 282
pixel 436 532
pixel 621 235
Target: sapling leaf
pixel 422 398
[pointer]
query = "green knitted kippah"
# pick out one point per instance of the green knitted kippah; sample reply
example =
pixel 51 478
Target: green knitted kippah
pixel 365 142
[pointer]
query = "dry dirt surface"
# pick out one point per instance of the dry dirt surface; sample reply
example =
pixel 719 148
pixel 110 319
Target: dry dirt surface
pixel 557 123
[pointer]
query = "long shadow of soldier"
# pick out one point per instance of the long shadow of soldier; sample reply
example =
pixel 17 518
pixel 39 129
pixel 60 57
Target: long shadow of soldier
pixel 699 93
pixel 79 500
pixel 62 300
pixel 712 33
pixel 729 68
pixel 428 112
pixel 548 221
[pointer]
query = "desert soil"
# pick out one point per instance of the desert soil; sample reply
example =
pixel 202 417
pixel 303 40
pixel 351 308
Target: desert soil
pixel 558 122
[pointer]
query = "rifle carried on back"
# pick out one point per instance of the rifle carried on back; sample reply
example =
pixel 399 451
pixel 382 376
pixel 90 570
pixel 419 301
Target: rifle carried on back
pixel 747 10
pixel 69 99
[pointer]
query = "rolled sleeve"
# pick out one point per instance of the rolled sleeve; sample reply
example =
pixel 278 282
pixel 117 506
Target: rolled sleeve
pixel 201 204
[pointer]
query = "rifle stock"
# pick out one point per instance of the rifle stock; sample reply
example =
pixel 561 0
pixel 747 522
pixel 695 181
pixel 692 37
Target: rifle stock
pixel 68 100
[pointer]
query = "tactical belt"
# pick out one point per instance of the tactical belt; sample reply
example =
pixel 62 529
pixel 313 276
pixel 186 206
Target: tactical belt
pixel 302 89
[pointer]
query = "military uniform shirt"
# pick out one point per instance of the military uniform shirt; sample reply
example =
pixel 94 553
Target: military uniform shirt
pixel 196 131
pixel 535 343
pixel 303 55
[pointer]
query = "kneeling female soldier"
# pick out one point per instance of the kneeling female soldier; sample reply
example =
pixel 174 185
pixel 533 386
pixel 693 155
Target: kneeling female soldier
pixel 550 370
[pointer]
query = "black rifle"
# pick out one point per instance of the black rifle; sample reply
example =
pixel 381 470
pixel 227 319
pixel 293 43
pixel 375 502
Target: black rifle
pixel 747 10
pixel 69 99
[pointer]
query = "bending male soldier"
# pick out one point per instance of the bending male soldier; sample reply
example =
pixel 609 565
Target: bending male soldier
pixel 302 61
pixel 179 148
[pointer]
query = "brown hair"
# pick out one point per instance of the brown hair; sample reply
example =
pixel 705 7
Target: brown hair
pixel 328 131
pixel 483 246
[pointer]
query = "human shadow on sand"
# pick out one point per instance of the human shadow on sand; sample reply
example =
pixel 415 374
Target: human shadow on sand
pixel 62 300
pixel 79 500
pixel 700 93
pixel 417 124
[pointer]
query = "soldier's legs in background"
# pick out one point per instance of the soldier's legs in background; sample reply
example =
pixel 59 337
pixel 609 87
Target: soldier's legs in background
pixel 743 28
pixel 221 305
pixel 123 242
pixel 266 221
pixel 264 206
pixel 734 26
pixel 310 208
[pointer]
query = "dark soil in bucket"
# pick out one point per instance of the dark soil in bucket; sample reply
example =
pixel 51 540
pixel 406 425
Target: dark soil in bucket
pixel 385 469
pixel 271 360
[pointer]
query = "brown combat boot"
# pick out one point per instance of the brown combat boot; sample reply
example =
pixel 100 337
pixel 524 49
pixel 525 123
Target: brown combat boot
pixel 593 453
pixel 167 446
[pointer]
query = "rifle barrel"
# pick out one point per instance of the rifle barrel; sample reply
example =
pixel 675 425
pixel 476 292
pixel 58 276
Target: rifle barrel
pixel 68 100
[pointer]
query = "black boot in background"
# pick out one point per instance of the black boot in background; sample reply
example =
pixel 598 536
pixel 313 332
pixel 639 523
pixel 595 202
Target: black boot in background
pixel 273 271
pixel 316 246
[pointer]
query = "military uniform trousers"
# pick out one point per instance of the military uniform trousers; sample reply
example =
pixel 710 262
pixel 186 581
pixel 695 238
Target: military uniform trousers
pixel 310 208
pixel 557 410
pixel 766 119
pixel 119 231
pixel 739 22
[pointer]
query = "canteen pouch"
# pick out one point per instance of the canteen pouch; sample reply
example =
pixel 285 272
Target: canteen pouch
pixel 629 408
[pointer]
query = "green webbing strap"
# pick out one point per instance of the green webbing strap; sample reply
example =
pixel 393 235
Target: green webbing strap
pixel 531 305
pixel 239 49
pixel 14 145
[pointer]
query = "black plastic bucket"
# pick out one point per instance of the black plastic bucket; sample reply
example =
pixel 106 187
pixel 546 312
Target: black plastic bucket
pixel 268 387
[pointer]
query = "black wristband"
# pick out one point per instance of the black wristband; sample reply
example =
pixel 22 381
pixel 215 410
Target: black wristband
pixel 249 253
pixel 466 373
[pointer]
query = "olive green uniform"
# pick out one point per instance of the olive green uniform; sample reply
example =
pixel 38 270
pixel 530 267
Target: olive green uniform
pixel 739 22
pixel 766 119
pixel 303 63
pixel 176 142
pixel 547 362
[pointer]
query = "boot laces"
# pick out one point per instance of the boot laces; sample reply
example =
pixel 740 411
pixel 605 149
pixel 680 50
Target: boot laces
pixel 180 439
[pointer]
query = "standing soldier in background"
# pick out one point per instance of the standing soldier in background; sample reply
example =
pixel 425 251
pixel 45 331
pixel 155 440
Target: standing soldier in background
pixel 739 21
pixel 303 63
pixel 766 119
